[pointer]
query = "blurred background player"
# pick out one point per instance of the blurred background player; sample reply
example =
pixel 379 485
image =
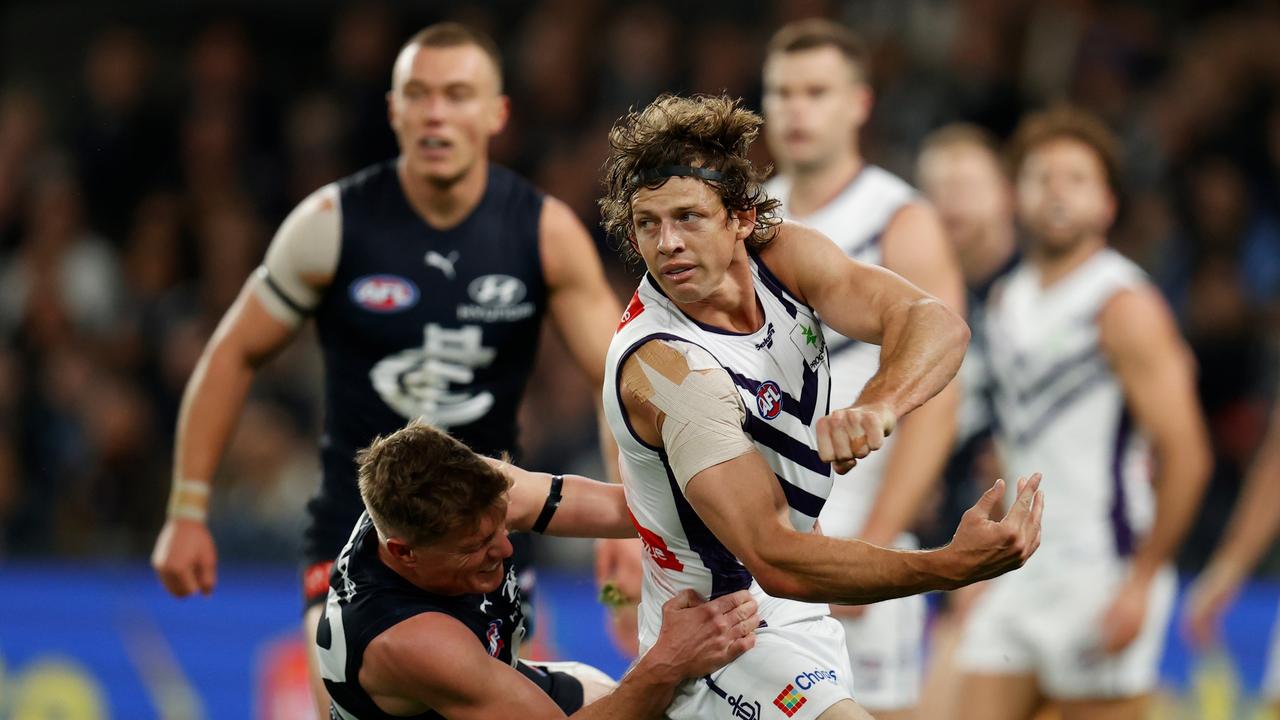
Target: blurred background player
pixel 1090 374
pixel 1254 527
pixel 960 172
pixel 816 100
pixel 429 277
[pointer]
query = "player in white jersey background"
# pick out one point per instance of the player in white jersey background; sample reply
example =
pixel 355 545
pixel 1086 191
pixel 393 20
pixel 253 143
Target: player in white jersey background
pixel 816 100
pixel 715 394
pixel 1094 385
pixel 959 169
pixel 1254 526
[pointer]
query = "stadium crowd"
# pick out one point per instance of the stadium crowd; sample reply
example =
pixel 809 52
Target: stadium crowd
pixel 146 156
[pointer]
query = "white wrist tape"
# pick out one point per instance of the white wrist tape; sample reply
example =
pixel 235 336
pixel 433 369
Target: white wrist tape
pixel 189 500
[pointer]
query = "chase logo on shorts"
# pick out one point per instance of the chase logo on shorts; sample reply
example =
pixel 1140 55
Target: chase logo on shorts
pixel 384 293
pixel 790 700
pixel 804 681
pixel 769 399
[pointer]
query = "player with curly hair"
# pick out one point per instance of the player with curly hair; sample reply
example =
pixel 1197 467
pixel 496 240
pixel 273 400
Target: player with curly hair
pixel 716 391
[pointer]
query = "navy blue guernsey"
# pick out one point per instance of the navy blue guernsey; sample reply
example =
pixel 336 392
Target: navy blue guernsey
pixel 420 322
pixel 366 598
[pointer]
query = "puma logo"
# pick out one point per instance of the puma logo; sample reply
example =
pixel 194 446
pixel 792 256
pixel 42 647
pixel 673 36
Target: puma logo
pixel 441 262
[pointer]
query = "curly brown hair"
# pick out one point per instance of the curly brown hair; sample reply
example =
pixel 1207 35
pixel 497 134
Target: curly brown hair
pixel 707 131
pixel 1072 123
pixel 421 484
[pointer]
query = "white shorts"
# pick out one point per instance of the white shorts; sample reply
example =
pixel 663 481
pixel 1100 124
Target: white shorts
pixel 1047 622
pixel 794 672
pixel 886 652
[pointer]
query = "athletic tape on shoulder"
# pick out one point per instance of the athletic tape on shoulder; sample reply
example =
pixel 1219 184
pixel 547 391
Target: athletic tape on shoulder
pixel 703 424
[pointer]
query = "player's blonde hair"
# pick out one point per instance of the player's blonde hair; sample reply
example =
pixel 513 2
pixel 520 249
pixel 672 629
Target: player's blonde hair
pixel 704 131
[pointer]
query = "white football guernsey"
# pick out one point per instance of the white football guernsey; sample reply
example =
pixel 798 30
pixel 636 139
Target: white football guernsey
pixel 1061 411
pixel 783 381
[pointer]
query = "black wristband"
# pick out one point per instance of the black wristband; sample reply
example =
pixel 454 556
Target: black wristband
pixel 549 507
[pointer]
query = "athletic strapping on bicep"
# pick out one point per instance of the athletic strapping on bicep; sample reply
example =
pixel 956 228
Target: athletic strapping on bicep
pixel 302 258
pixel 690 401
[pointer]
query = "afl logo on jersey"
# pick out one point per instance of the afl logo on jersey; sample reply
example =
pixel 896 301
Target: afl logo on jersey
pixel 384 293
pixel 769 399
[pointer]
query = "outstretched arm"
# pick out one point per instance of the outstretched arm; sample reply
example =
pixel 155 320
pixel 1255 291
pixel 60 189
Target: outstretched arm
pixel 725 479
pixel 587 508
pixel 815 568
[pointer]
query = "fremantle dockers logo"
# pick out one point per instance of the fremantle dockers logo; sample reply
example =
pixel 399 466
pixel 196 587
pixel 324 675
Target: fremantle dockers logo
pixel 769 399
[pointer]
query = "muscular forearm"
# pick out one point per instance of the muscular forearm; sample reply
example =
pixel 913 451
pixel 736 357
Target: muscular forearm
pixel 921 351
pixel 1182 472
pixel 814 568
pixel 210 405
pixel 916 459
pixel 645 692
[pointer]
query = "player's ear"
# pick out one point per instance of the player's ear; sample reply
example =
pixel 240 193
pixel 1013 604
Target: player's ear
pixel 501 113
pixel 400 549
pixel 746 220
pixel 1113 208
pixel 863 100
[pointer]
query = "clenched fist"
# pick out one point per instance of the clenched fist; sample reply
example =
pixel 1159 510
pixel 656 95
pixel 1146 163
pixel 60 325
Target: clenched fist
pixel 850 434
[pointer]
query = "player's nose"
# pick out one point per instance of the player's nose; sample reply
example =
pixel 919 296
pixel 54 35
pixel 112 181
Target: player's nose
pixel 669 240
pixel 503 548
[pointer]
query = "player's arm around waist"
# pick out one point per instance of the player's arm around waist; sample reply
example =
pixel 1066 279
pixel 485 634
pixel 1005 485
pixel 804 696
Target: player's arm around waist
pixel 432 661
pixel 585 507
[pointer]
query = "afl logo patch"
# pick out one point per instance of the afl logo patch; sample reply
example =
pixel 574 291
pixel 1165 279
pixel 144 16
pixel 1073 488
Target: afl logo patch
pixel 384 293
pixel 769 399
